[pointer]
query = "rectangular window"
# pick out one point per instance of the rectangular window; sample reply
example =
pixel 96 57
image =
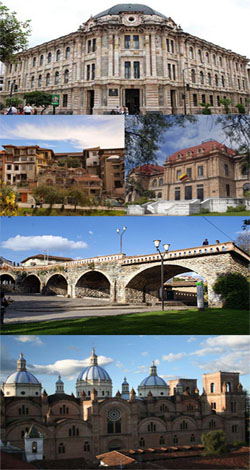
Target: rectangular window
pixel 127 42
pixel 127 69
pixel 168 45
pixel 89 46
pixel 65 101
pixel 174 72
pixel 228 190
pixel 177 194
pixel 172 46
pixel 169 71
pixel 195 101
pixel 235 428
pixel 136 42
pixel 188 193
pixel 211 99
pixel 200 192
pixel 88 72
pixel 200 171
pixel 94 45
pixel 233 406
pixel 178 174
pixel 226 169
pixel 189 172
pixel 203 99
pixel 136 69
pixel 93 72
pixel 218 100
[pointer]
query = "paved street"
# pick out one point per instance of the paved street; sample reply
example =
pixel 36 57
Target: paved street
pixel 35 308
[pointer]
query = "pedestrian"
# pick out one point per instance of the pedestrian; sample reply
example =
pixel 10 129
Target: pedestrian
pixel 4 305
pixel 12 110
pixel 113 111
pixel 205 242
pixel 27 109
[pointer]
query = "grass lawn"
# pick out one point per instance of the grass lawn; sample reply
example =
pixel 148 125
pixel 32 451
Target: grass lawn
pixel 58 212
pixel 212 321
pixel 223 214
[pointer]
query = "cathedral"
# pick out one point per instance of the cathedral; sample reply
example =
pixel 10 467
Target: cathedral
pixel 131 56
pixel 94 421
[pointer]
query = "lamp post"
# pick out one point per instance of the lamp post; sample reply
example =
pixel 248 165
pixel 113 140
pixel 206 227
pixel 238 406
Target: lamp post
pixel 121 232
pixel 162 255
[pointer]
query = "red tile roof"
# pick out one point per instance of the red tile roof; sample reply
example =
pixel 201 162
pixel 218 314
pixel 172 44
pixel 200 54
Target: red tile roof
pixel 148 169
pixel 206 147
pixel 115 458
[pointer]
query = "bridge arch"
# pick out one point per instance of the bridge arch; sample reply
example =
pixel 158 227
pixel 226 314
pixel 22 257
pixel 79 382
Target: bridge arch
pixel 31 284
pixel 7 282
pixel 56 284
pixel 93 283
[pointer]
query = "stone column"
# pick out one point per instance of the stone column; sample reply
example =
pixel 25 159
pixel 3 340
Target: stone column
pixel 110 65
pixel 116 57
pixel 147 46
pixel 98 56
pixel 153 55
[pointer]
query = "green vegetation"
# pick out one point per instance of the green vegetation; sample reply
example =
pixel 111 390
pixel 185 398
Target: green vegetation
pixel 234 290
pixel 39 99
pixel 211 321
pixel 14 34
pixel 41 211
pixel 214 442
pixel 230 214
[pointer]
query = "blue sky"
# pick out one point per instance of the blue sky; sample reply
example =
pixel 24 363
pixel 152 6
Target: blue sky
pixel 63 133
pixel 83 237
pixel 205 20
pixel 130 356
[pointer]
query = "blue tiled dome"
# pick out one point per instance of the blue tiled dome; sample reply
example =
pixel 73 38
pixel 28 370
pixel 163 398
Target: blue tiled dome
pixel 22 377
pixel 94 373
pixel 153 380
pixel 127 8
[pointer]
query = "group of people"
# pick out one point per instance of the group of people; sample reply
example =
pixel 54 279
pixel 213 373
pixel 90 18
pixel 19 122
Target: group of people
pixel 120 110
pixel 27 110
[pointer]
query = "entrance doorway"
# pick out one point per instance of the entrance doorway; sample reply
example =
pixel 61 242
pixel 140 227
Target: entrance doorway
pixel 90 100
pixel 132 100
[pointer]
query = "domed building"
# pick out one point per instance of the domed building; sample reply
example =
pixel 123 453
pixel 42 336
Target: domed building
pixel 131 56
pixel 22 383
pixel 154 384
pixel 94 376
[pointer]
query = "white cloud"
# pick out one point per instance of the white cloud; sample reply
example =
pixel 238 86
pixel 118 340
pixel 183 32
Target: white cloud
pixel 90 232
pixel 29 339
pixel 141 369
pixel 41 243
pixel 144 353
pixel 173 357
pixel 191 339
pixel 229 341
pixel 237 361
pixel 157 362
pixel 68 368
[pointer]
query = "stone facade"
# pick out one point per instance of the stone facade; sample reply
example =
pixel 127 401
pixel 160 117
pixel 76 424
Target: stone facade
pixel 89 424
pixel 131 56
pixel 133 279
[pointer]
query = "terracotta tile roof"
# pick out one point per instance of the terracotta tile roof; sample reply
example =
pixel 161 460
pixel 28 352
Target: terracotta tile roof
pixel 8 461
pixel 87 178
pixel 148 169
pixel 115 458
pixel 50 258
pixel 206 148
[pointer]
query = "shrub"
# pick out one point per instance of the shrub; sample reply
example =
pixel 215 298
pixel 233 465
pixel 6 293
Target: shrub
pixel 214 442
pixel 236 209
pixel 234 290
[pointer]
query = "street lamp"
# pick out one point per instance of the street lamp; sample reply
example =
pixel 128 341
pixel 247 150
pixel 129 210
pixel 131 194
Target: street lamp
pixel 121 235
pixel 162 255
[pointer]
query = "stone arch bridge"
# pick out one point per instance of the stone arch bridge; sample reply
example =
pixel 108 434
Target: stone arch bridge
pixel 127 279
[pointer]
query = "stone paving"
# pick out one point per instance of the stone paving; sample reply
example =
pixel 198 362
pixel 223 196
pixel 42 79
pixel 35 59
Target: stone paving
pixel 35 308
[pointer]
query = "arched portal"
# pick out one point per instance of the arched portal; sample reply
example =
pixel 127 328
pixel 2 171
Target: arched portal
pixel 146 286
pixel 93 284
pixel 56 285
pixel 31 285
pixel 7 283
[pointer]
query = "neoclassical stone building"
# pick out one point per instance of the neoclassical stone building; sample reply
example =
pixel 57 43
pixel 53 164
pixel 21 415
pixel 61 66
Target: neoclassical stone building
pixel 94 421
pixel 131 55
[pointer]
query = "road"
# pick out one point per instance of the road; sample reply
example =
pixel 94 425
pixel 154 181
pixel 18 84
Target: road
pixel 36 308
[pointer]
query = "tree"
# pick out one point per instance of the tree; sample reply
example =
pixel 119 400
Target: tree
pixel 77 196
pixel 243 241
pixel 144 133
pixel 46 195
pixel 14 101
pixel 133 185
pixel 241 108
pixel 8 198
pixel 214 442
pixel 39 99
pixel 13 33
pixel 206 109
pixel 226 103
pixel 234 290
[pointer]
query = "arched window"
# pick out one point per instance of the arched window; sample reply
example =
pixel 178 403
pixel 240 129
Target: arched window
pixel 202 78
pixel 193 78
pixel 56 78
pixel 214 59
pixel 212 424
pixel 223 80
pixel 48 79
pixel 39 82
pixel 159 196
pixel 34 61
pixel 58 54
pixel 184 425
pixel 34 447
pixel 151 427
pixel 41 60
pixel 66 76
pixel 160 181
pixel 61 448
pixel 154 184
pixel 207 58
pixel 49 58
pixel 32 82
pixel 212 388
pixel 220 61
pixel 163 408
pixel 67 53
pixel 209 78
pixel 142 442
pixel 216 80
pixel 162 440
pixel 199 55
pixel 192 438
pixel 175 439
pixel 191 53
pixel 86 447
pixel 228 387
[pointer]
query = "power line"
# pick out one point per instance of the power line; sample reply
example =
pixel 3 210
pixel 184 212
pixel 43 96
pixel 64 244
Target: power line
pixel 211 223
